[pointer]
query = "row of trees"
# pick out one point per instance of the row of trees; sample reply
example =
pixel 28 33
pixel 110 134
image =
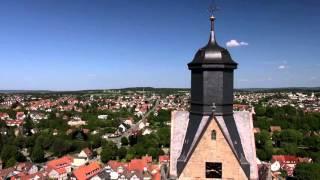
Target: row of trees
pixel 137 146
pixel 299 136
pixel 287 117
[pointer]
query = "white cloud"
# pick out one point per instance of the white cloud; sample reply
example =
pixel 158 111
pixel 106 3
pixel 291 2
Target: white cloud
pixel 282 67
pixel 235 43
pixel 244 43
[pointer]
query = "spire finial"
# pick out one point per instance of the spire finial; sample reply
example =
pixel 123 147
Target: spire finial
pixel 212 9
pixel 212 18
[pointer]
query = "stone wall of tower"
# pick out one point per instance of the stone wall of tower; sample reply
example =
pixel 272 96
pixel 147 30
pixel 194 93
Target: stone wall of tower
pixel 209 150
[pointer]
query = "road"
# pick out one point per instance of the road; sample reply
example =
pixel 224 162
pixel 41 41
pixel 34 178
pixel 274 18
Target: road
pixel 135 126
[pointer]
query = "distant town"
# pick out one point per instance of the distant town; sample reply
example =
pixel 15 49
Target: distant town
pixel 125 133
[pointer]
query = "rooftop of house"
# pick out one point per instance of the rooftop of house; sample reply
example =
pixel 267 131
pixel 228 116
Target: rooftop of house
pixel 284 158
pixel 87 171
pixel 60 162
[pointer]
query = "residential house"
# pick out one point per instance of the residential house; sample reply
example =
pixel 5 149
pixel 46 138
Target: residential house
pixel 86 153
pixel 20 116
pixel 147 131
pixel 103 117
pixel 164 159
pixel 12 123
pixel 27 167
pixel 41 175
pixel 83 157
pixel 274 129
pixel 123 127
pixel 287 162
pixel 4 116
pixel 58 174
pixel 256 130
pixel 86 172
pixel 129 121
pixel 61 163
pixel 75 122
pixel 7 173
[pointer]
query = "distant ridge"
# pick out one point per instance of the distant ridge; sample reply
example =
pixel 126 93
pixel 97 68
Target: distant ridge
pixel 281 89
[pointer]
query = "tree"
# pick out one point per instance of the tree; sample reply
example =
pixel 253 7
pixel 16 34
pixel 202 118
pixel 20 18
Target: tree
pixel 291 136
pixel 124 141
pixel 95 141
pixel 37 154
pixel 262 123
pixel 291 149
pixel 44 140
pixel 11 162
pixel 133 140
pixel 307 171
pixel 122 152
pixel 20 141
pixel 20 157
pixel 8 151
pixel 28 125
pixel 260 110
pixel 109 152
pixel 140 149
pixel 264 145
pixel 164 136
pixel 130 154
pixel 60 146
pixel 262 138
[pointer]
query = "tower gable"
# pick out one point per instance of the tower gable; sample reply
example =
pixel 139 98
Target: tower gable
pixel 213 152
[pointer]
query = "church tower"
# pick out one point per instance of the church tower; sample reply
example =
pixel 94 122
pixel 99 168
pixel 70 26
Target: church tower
pixel 212 141
pixel 212 78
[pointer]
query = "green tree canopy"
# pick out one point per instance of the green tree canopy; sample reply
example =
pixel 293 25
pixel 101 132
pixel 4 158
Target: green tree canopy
pixel 307 171
pixel 37 154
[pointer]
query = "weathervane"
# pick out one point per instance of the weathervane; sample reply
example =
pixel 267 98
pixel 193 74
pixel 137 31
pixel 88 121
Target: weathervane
pixel 213 8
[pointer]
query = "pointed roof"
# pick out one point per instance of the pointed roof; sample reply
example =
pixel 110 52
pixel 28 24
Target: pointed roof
pixel 212 54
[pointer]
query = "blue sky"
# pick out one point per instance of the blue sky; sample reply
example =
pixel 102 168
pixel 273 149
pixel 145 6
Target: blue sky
pixel 97 44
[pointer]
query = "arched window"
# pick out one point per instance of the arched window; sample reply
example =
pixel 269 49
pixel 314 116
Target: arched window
pixel 213 135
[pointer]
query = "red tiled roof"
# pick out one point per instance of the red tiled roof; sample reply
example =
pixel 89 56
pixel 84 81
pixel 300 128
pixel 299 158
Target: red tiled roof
pixel 61 170
pixel 3 114
pixel 14 122
pixel 42 175
pixel 164 158
pixel 137 164
pixel 5 172
pixel 60 163
pixel 147 159
pixel 115 164
pixel 85 172
pixel 284 158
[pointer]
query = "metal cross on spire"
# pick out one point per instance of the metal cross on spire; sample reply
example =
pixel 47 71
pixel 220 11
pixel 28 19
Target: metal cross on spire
pixel 213 8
